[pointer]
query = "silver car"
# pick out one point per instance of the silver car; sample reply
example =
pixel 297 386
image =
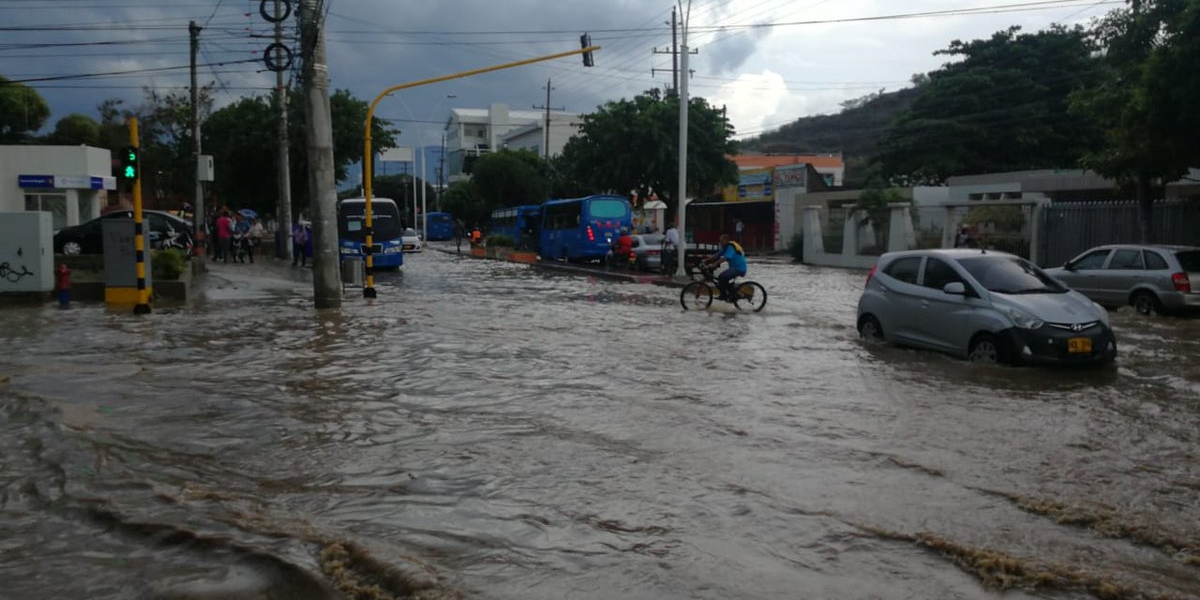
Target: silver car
pixel 986 306
pixel 1151 278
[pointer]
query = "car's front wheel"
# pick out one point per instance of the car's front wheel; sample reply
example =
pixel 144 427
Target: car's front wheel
pixel 986 350
pixel 72 248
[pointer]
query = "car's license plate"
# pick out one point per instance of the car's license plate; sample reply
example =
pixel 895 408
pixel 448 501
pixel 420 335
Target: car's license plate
pixel 1079 345
pixel 409 246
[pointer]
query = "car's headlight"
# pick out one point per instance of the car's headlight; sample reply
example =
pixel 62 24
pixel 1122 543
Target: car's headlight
pixel 1023 319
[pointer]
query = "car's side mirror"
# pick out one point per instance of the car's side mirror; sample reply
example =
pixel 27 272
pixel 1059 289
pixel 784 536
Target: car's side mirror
pixel 1069 266
pixel 955 287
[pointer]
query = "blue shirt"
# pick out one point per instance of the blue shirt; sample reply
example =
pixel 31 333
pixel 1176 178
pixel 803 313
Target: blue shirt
pixel 737 260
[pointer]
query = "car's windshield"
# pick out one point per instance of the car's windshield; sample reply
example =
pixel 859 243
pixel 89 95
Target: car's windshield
pixel 410 232
pixel 1010 275
pixel 1189 260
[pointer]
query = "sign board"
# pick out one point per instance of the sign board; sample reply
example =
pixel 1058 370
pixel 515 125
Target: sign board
pixel 401 154
pixel 791 176
pixel 754 185
pixel 67 182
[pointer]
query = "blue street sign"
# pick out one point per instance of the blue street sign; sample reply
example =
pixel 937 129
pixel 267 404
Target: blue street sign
pixel 35 181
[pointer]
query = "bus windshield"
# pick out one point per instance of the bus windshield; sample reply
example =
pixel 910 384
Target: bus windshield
pixel 385 218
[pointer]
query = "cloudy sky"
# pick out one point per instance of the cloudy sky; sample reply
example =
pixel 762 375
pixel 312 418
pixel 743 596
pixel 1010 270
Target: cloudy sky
pixel 768 62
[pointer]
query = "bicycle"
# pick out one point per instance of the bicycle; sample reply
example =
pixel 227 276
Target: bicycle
pixel 699 294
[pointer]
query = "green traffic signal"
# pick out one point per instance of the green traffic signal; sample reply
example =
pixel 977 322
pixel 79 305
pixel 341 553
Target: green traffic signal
pixel 129 163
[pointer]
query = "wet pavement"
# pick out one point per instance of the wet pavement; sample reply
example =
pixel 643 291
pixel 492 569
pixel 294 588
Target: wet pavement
pixel 490 430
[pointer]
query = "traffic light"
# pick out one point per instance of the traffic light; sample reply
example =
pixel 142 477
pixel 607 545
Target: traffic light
pixel 585 41
pixel 130 169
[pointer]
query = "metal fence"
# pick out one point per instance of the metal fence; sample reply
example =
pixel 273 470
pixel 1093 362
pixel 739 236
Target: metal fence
pixel 1069 228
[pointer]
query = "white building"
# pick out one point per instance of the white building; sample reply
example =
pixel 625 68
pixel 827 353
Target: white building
pixel 473 132
pixel 69 182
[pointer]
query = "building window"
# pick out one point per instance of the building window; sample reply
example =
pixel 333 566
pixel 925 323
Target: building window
pixel 55 204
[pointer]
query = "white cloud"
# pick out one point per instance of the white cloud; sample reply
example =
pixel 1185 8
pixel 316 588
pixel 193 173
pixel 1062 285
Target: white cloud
pixel 752 100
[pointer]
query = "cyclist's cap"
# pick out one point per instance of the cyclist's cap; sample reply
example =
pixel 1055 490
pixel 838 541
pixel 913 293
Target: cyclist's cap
pixel 623 230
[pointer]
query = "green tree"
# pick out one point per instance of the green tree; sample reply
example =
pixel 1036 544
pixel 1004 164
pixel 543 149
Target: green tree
pixel 1003 107
pixel 634 144
pixel 166 140
pixel 347 115
pixel 23 111
pixel 1144 44
pixel 75 129
pixel 510 178
pixel 241 138
pixel 462 200
pixel 874 201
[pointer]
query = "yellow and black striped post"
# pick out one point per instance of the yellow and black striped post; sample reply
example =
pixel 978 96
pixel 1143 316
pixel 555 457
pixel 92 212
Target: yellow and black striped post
pixel 139 231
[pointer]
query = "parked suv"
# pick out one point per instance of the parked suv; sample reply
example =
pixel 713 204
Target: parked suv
pixel 1152 278
pixel 163 230
pixel 987 306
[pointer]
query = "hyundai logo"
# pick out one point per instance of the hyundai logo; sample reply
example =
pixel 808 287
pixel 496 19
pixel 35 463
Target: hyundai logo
pixel 1077 327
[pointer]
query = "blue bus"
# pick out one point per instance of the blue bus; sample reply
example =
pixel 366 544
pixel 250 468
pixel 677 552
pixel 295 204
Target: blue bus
pixel 388 237
pixel 437 226
pixel 582 229
pixel 522 223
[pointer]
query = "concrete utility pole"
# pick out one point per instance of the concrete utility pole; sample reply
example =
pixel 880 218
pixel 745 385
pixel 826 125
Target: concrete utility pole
pixel 546 147
pixel 283 207
pixel 198 205
pixel 680 269
pixel 327 287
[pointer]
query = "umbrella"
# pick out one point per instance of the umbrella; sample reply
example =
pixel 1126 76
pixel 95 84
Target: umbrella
pixel 249 214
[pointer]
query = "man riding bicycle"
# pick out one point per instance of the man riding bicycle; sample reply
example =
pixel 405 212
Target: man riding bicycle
pixel 732 253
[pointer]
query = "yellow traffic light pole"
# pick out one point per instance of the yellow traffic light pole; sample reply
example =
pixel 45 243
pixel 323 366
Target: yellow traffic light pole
pixel 139 229
pixel 369 290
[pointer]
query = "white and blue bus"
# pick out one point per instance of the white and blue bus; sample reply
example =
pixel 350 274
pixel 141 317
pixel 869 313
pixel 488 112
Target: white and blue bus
pixel 388 236
pixel 582 229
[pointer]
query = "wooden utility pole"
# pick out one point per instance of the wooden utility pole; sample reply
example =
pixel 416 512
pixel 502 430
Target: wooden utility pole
pixel 327 287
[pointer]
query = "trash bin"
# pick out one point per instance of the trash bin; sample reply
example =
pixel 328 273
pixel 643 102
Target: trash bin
pixel 353 272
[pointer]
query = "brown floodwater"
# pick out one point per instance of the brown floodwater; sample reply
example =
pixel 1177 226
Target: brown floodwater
pixel 488 430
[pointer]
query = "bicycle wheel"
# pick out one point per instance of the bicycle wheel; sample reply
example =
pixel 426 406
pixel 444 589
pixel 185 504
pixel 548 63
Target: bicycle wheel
pixel 696 295
pixel 750 295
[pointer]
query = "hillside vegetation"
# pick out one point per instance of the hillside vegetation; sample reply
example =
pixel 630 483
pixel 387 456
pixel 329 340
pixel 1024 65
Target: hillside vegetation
pixel 856 132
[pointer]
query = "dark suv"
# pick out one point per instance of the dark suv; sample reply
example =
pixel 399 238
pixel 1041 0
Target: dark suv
pixel 163 230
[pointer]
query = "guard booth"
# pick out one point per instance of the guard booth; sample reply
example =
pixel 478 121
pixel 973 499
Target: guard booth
pixel 120 262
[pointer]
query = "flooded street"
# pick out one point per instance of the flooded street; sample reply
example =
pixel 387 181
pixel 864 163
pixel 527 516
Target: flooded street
pixel 488 430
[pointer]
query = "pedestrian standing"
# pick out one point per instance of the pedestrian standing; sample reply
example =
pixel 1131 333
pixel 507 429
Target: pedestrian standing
pixel 224 227
pixel 299 245
pixel 459 230
pixel 737 230
pixel 257 232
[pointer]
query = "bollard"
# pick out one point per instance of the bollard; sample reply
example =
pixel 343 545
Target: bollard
pixel 63 284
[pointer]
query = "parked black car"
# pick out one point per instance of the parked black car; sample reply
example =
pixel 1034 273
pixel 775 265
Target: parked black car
pixel 163 230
